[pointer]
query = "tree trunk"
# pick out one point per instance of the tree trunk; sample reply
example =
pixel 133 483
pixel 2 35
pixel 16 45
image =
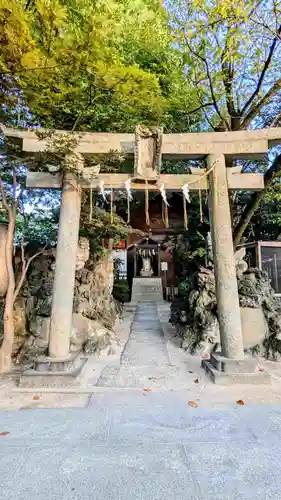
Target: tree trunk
pixel 272 173
pixel 7 344
pixel 8 320
pixel 3 265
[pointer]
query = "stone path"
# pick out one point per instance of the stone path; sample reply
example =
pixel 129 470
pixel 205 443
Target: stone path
pixel 145 360
pixel 146 345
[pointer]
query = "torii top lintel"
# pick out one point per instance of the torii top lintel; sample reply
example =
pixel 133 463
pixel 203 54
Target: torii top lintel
pixel 240 145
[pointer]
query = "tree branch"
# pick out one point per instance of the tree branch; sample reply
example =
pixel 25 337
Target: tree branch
pixel 13 73
pixel 4 199
pixel 25 266
pixel 203 107
pixel 255 109
pixel 91 101
pixel 273 32
pixel 209 121
pixel 14 202
pixel 276 120
pixel 80 116
pixel 199 108
pixel 28 4
pixel 272 173
pixel 3 195
pixel 209 80
pixel 227 77
pixel 263 73
pixel 22 250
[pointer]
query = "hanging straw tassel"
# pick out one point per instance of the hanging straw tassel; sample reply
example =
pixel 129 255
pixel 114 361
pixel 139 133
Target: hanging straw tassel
pixel 147 219
pixel 102 192
pixel 185 190
pixel 128 188
pixel 163 194
pixel 166 216
pixel 166 204
pixel 91 203
pixel 185 217
pixel 128 211
pixel 186 199
pixel 200 205
pixel 111 205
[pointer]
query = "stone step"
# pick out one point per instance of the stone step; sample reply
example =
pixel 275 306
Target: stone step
pixel 146 329
pixel 163 377
pixel 146 325
pixel 150 354
pixel 147 290
pixel 146 305
pixel 146 333
pixel 149 342
pixel 146 318
pixel 141 298
pixel 129 307
pixel 151 316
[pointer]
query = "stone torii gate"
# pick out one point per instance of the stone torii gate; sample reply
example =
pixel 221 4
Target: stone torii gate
pixel 216 148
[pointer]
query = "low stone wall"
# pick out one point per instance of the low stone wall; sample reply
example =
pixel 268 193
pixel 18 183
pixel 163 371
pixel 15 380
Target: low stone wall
pixel 195 314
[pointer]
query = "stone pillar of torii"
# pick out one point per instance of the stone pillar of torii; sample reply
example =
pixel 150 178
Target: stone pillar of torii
pixel 148 146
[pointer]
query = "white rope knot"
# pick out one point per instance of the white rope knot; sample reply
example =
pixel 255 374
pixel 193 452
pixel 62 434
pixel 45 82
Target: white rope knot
pixel 128 187
pixel 102 191
pixel 163 194
pixel 185 190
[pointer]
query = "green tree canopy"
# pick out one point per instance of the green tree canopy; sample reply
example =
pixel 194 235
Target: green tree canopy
pixel 233 51
pixel 91 65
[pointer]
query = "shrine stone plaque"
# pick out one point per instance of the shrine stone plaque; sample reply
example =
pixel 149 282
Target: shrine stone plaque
pixel 148 144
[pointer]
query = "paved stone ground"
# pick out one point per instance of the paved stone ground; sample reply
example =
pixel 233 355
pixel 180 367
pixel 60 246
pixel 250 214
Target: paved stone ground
pixel 151 446
pixel 136 436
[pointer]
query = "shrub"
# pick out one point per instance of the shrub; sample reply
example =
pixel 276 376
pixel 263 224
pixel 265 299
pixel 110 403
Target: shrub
pixel 121 291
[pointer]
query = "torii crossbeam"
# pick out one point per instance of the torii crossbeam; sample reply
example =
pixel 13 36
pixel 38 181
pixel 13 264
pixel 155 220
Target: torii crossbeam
pixel 216 147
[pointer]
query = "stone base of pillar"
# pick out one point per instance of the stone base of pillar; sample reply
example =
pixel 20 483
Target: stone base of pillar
pixel 54 372
pixel 226 371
